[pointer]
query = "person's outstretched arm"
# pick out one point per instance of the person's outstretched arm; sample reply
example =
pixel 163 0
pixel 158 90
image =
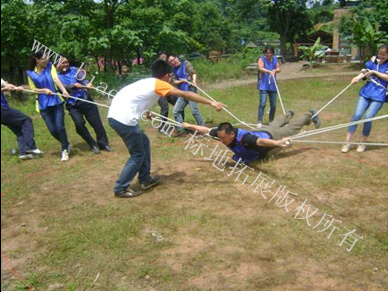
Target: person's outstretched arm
pixel 200 129
pixel 197 98
pixel 5 86
pixel 272 143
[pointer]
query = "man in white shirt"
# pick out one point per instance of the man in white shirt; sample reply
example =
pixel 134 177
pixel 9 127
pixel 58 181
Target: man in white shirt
pixel 124 114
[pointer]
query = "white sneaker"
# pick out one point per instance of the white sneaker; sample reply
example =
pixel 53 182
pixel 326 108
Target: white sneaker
pixel 361 148
pixel 65 156
pixel 26 156
pixel 346 148
pixel 35 152
pixel 259 125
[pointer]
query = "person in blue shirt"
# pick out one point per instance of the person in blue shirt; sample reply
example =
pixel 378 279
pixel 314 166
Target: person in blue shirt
pixel 254 145
pixel 268 67
pixel 372 96
pixel 20 124
pixel 78 110
pixel 43 79
pixel 183 71
pixel 164 102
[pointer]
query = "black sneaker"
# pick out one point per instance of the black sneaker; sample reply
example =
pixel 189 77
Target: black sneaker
pixel 316 120
pixel 129 193
pixel 152 181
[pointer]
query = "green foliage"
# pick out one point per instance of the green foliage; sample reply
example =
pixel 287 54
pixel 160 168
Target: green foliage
pixel 367 27
pixel 323 13
pixel 117 29
pixel 311 53
pixel 221 70
pixel 363 34
pixel 16 37
pixel 290 19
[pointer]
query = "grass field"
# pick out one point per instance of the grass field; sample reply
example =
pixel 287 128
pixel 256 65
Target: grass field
pixel 62 229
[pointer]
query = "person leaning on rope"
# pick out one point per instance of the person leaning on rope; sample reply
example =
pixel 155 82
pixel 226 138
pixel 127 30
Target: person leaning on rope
pixel 20 124
pixel 164 102
pixel 268 67
pixel 126 109
pixel 254 145
pixel 79 110
pixel 43 79
pixel 183 72
pixel 372 96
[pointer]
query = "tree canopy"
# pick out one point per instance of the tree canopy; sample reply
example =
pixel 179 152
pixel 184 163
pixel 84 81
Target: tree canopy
pixel 86 30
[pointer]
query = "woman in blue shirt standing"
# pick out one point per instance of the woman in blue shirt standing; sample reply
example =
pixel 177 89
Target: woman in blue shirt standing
pixel 79 110
pixel 372 95
pixel 43 79
pixel 268 67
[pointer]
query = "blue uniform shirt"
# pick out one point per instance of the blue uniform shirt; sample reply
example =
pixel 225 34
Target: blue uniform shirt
pixel 4 102
pixel 247 153
pixel 68 79
pixel 45 80
pixel 371 90
pixel 180 73
pixel 267 82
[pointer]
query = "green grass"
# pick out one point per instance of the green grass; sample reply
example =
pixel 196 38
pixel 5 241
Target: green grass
pixel 221 70
pixel 200 229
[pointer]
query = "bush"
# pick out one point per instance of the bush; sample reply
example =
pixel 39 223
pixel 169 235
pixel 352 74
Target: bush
pixel 231 68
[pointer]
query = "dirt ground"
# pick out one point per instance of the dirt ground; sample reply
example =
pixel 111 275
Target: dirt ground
pixel 288 71
pixel 266 259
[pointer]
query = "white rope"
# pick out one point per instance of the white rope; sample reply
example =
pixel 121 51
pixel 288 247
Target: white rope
pixel 315 132
pixel 255 125
pixel 319 130
pixel 163 117
pixel 231 114
pixel 174 123
pixel 237 124
pixel 80 99
pixel 376 83
pixel 370 79
pixel 279 94
pixel 339 94
pixel 337 142
pixel 300 135
pixel 99 91
pixel 328 103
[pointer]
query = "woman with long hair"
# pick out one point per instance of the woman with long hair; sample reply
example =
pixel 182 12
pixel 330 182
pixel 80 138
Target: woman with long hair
pixel 43 79
pixel 372 96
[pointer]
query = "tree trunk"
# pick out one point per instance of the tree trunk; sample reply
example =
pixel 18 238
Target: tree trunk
pixel 283 41
pixel 20 75
pixel 11 74
pixel 98 63
pixel 120 68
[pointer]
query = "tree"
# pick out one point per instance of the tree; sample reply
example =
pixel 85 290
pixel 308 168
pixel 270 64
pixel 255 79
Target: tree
pixel 367 26
pixel 364 35
pixel 16 39
pixel 289 19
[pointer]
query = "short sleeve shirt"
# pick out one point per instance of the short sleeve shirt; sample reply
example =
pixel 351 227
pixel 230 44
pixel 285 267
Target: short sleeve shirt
pixel 131 101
